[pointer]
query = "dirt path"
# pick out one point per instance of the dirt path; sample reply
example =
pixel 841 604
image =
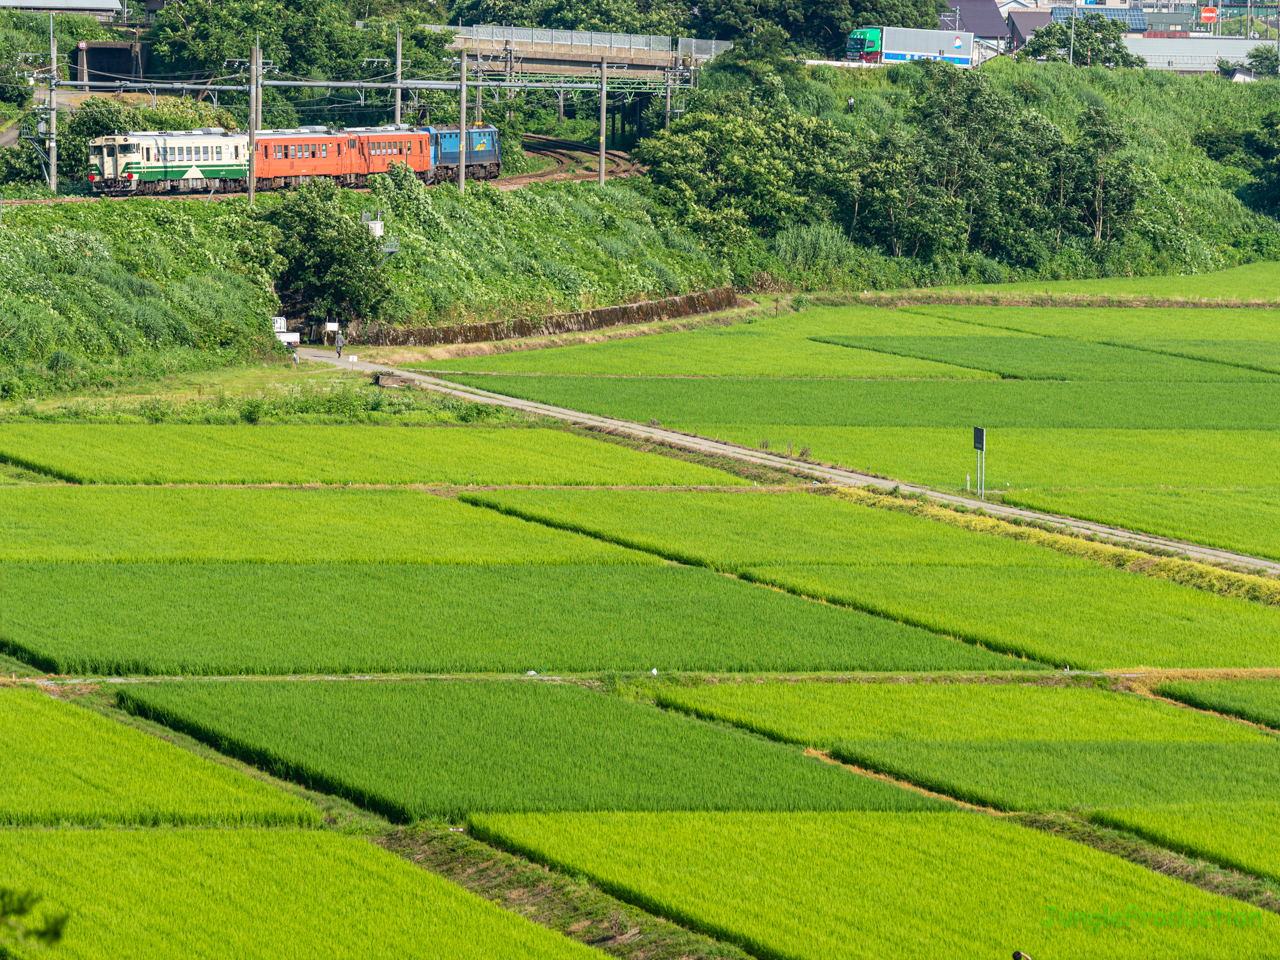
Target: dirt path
pixel 822 472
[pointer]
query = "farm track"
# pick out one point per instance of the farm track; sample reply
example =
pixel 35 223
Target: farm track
pixel 570 157
pixel 821 472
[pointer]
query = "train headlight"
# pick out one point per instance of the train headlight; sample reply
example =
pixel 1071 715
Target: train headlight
pixel 92 177
pixel 128 176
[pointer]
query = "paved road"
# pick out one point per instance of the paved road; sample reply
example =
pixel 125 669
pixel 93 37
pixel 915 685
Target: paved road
pixel 827 474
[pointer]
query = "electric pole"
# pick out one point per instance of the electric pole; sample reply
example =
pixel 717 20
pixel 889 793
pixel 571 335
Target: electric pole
pixel 462 126
pixel 53 109
pixel 603 101
pixel 253 120
pixel 399 63
pixel 666 79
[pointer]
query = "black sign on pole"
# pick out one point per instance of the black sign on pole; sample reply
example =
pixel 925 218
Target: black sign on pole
pixel 979 438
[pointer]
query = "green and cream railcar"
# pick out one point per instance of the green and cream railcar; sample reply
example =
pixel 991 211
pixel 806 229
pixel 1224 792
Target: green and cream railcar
pixel 169 160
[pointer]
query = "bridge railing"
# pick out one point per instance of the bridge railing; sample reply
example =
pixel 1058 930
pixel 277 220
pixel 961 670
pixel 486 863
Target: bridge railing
pixel 591 42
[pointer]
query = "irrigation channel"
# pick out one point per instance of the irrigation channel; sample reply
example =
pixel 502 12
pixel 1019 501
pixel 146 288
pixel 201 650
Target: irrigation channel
pixel 821 472
pixel 572 161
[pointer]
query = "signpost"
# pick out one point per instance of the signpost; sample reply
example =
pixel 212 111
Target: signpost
pixel 980 445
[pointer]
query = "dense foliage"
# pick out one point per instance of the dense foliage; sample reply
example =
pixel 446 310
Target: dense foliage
pixel 922 173
pixel 1088 40
pixel 537 250
pixel 98 293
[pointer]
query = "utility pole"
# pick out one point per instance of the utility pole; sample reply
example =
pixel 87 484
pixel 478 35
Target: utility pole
pixel 560 113
pixel 604 93
pixel 53 110
pixel 398 71
pixel 253 120
pixel 1071 56
pixel 462 126
pixel 666 79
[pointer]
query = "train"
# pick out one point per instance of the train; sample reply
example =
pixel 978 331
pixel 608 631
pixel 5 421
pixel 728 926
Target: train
pixel 900 44
pixel 212 159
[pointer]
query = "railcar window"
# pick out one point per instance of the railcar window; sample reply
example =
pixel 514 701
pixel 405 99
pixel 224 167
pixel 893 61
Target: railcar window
pixel 324 151
pixel 189 153
pixel 237 152
pixel 218 153
pixel 206 153
pixel 351 144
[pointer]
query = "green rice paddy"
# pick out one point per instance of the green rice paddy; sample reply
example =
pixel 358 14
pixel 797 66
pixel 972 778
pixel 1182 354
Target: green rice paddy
pixel 342 526
pixel 257 893
pixel 462 456
pixel 1242 835
pixel 448 749
pixel 228 619
pixel 1005 595
pixel 1009 747
pixel 60 763
pixel 1162 420
pixel 856 885
pixel 1254 700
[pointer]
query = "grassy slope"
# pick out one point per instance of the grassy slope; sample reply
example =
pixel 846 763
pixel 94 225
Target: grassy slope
pixel 1003 594
pixel 301 455
pixel 257 893
pixel 244 619
pixel 1013 748
pixel 61 764
pixel 873 885
pixel 502 746
pixel 543 249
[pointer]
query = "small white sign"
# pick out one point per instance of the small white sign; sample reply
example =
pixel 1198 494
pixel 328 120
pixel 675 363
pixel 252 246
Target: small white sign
pixel 330 327
pixel 352 358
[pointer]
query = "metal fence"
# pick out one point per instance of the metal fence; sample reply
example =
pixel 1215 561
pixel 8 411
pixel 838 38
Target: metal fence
pixel 703 49
pixel 589 41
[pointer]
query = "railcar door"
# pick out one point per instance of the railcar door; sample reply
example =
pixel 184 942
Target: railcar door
pixel 110 162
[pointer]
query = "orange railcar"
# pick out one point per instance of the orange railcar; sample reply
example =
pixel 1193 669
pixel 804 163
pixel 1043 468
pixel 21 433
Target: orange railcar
pixel 286 158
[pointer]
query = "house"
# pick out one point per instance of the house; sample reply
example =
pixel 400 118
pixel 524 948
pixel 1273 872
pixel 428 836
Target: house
pixel 982 18
pixel 1023 23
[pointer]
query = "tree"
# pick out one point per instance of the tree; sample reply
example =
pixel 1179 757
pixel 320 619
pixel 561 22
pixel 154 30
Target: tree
pixel 17 908
pixel 1105 187
pixel 333 265
pixel 819 25
pixel 1099 41
pixel 1264 60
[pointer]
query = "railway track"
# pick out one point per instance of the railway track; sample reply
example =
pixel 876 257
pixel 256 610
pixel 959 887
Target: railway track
pixel 573 161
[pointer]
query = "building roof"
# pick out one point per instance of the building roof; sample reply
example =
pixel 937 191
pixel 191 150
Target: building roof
pixel 982 18
pixel 1135 18
pixel 1193 54
pixel 62 6
pixel 1023 23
